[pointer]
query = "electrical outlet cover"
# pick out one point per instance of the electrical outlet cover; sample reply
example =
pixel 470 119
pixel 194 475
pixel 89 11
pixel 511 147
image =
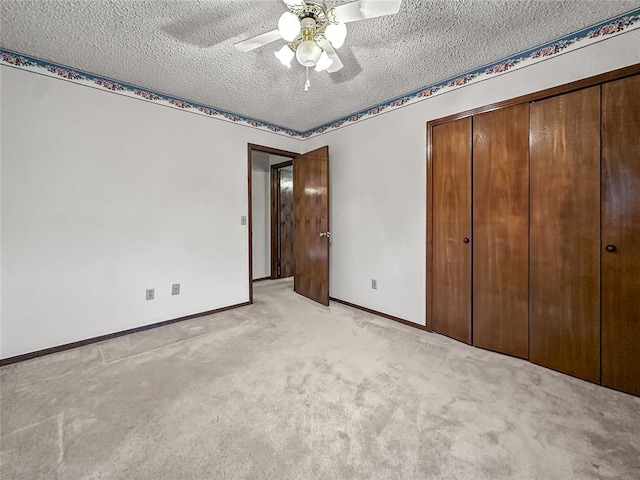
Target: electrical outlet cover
pixel 150 293
pixel 175 289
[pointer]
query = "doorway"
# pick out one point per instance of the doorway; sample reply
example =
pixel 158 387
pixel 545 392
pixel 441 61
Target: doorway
pixel 263 247
pixel 288 219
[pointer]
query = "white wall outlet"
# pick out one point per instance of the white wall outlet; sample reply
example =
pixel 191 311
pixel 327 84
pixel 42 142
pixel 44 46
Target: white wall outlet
pixel 374 284
pixel 175 289
pixel 150 293
pixel 243 220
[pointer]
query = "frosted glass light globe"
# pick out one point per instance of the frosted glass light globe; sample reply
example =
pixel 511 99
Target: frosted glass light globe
pixel 308 53
pixel 285 55
pixel 289 26
pixel 336 33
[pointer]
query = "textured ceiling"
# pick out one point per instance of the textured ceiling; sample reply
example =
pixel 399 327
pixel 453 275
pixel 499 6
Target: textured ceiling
pixel 185 48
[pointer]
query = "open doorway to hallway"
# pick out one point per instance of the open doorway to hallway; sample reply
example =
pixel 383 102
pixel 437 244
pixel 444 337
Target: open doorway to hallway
pixel 272 216
pixel 271 221
pixel 289 219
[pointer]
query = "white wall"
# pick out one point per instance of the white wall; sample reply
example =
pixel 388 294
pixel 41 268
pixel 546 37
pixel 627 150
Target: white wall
pixel 378 185
pixel 104 196
pixel 260 213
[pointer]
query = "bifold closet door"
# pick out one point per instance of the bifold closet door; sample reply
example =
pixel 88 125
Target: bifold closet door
pixel 501 230
pixel 565 233
pixel 451 183
pixel 621 235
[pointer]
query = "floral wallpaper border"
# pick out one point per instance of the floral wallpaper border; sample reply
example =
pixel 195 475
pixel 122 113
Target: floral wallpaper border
pixel 589 35
pixel 593 34
pixel 33 64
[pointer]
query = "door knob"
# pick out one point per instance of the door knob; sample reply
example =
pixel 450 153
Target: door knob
pixel 465 240
pixel 322 234
pixel 610 248
pixel 325 234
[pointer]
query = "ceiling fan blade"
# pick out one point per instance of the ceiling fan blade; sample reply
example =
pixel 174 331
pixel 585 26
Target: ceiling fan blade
pixel 336 65
pixel 260 40
pixel 291 3
pixel 352 12
pixel 331 53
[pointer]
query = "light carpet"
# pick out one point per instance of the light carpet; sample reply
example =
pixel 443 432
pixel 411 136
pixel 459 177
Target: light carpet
pixel 287 389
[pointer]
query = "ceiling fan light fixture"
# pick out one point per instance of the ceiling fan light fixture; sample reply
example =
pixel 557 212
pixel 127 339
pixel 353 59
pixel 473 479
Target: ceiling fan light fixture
pixel 336 33
pixel 324 62
pixel 308 53
pixel 285 55
pixel 289 26
pixel 312 27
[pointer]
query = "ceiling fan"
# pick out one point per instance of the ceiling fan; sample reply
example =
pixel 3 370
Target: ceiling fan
pixel 313 30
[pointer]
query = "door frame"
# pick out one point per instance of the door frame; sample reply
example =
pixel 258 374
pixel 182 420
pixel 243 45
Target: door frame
pixel 275 188
pixel 251 147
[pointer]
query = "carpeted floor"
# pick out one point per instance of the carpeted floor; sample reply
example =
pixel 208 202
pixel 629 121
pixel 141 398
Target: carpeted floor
pixel 287 389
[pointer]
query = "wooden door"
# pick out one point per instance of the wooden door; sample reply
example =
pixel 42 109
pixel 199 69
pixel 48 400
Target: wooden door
pixel 621 235
pixel 285 222
pixel 282 222
pixel 565 233
pixel 311 213
pixel 501 230
pixel 451 231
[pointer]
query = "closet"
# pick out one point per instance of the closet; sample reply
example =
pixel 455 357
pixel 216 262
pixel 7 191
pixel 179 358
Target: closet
pixel 533 228
pixel 452 229
pixel 501 230
pixel 565 233
pixel 620 245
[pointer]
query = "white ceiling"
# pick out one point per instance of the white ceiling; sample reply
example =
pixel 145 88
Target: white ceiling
pixel 185 48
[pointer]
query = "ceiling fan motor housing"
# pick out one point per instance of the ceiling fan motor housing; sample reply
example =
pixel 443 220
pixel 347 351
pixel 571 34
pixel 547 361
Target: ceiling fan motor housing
pixel 308 23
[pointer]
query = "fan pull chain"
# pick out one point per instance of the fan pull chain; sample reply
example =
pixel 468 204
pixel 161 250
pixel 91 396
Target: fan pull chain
pixel 307 84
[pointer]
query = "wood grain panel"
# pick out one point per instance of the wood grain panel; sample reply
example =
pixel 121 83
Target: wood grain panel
pixel 501 230
pixel 311 212
pixel 285 222
pixel 565 233
pixel 621 229
pixel 429 233
pixel 451 207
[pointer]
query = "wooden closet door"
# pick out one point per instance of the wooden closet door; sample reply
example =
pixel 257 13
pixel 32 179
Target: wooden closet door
pixel 565 233
pixel 501 230
pixel 451 183
pixel 621 235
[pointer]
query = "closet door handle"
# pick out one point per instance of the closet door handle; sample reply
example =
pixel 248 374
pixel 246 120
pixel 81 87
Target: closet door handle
pixel 465 240
pixel 611 248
